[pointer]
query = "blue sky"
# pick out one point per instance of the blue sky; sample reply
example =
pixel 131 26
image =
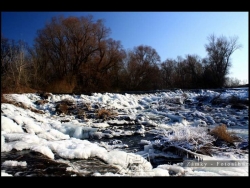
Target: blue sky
pixel 171 34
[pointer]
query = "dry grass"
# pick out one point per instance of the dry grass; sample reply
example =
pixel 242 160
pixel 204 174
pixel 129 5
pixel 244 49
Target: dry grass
pixel 64 85
pixel 88 106
pixel 65 106
pixel 221 132
pixel 237 100
pixel 233 99
pixel 3 99
pixel 25 89
pixel 105 113
pixel 81 114
pixel 68 102
pixel 20 104
pixel 62 108
pixel 17 89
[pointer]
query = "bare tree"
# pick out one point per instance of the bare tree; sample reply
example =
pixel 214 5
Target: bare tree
pixel 219 52
pixel 5 55
pixel 141 71
pixel 232 82
pixel 65 45
pixel 194 70
pixel 14 64
pixel 181 76
pixel 101 73
pixel 167 73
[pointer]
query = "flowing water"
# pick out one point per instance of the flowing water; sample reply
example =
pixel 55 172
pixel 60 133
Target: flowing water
pixel 40 165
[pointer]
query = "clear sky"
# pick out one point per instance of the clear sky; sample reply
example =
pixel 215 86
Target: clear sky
pixel 171 34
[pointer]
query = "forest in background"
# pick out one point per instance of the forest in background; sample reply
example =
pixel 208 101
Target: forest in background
pixel 76 55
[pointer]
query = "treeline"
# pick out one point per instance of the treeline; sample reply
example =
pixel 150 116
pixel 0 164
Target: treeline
pixel 76 55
